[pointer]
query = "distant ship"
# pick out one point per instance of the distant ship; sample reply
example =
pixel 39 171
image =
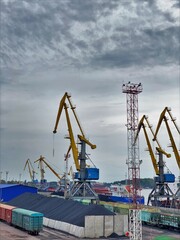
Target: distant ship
pixel 116 193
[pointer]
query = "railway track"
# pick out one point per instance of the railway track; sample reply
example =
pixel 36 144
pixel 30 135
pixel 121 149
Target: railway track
pixel 8 233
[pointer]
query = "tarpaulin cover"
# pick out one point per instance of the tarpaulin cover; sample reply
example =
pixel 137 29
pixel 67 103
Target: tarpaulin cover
pixel 69 211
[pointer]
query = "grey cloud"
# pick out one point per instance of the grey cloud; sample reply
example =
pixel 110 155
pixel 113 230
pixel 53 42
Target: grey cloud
pixel 85 11
pixel 39 32
pixel 151 47
pixel 82 44
pixel 169 17
pixel 177 4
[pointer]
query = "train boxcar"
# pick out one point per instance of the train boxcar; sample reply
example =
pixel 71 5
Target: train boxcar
pixel 159 219
pixel 6 212
pixel 28 220
pixel 150 218
pixel 170 220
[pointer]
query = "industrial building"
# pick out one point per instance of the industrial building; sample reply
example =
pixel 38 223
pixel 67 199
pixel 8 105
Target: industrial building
pixel 10 191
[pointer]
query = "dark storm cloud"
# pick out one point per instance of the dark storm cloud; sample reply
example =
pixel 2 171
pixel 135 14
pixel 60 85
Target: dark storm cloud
pixel 151 47
pixel 45 32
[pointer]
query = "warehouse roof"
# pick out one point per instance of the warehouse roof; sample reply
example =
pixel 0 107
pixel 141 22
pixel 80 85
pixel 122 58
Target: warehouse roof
pixel 10 191
pixel 6 185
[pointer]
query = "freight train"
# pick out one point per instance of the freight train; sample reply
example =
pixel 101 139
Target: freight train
pixel 30 221
pixel 159 219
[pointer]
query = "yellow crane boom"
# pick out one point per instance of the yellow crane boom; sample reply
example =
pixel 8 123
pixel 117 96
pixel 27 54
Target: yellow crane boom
pixel 159 149
pixel 71 136
pixel 82 138
pixel 161 118
pixel 61 105
pixel 42 159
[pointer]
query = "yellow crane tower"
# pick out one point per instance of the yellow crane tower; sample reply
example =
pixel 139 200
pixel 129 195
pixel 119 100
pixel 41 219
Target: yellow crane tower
pixel 30 169
pixel 81 188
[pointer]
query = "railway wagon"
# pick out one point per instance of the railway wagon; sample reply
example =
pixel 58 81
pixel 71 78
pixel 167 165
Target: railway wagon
pixel 150 218
pixel 165 220
pixel 28 220
pixel 6 212
pixel 169 220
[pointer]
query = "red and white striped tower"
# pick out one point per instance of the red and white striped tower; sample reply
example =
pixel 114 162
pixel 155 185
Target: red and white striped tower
pixel 132 90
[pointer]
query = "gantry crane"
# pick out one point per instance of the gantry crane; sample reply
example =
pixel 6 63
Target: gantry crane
pixel 161 189
pixel 31 169
pixel 163 117
pixel 81 187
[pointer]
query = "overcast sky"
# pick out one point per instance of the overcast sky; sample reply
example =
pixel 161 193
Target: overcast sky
pixel 88 48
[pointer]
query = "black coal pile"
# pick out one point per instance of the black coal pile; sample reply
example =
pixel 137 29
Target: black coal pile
pixel 69 211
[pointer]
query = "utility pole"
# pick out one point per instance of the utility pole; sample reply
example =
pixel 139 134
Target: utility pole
pixel 132 90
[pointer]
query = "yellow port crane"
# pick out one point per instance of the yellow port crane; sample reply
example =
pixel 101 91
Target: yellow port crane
pixel 159 149
pixel 175 202
pixel 81 187
pixel 71 135
pixel 30 169
pixel 41 160
pixel 161 189
pixel 161 118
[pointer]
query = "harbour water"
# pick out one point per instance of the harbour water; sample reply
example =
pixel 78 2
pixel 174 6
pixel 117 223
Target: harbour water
pixel 145 193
